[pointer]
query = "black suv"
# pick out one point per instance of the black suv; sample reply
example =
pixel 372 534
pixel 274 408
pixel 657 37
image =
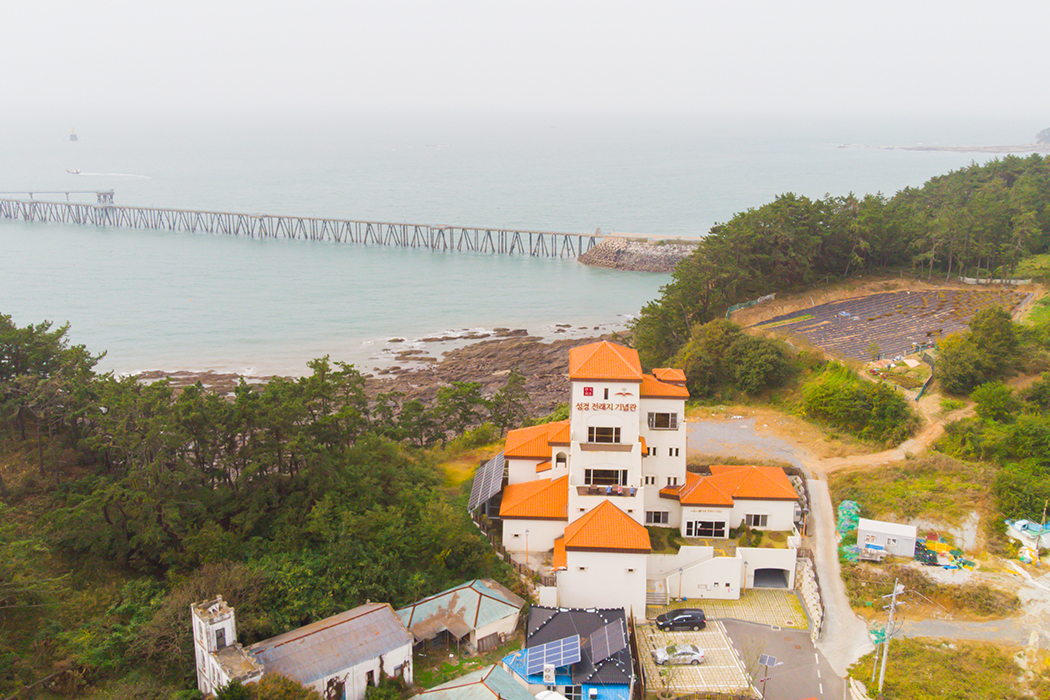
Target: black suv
pixel 682 619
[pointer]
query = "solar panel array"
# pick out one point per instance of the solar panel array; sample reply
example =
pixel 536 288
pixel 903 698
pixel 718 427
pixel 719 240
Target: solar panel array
pixel 607 641
pixel 487 482
pixel 561 652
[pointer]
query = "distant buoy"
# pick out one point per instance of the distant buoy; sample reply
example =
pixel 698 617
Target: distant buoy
pixel 72 134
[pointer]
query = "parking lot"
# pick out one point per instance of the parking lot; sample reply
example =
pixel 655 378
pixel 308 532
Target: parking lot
pixel 723 670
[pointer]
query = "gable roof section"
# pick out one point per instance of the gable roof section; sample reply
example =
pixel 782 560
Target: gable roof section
pixel 489 683
pixel 605 361
pixel 654 388
pixel 333 644
pixel 551 624
pixel 541 499
pixel 669 374
pixel 606 528
pixel 535 441
pixel 460 609
pixel 725 484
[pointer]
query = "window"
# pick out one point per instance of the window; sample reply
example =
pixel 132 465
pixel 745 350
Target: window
pixel 672 451
pixel 606 394
pixel 572 692
pixel 652 451
pixel 220 638
pixel 599 434
pixel 663 421
pixel 756 520
pixel 705 528
pixel 656 517
pixel 560 460
pixel 650 481
pixel 581 568
pixel 672 481
pixel 605 477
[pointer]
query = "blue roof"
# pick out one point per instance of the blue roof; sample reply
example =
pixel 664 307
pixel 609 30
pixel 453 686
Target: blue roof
pixel 489 683
pixel 468 606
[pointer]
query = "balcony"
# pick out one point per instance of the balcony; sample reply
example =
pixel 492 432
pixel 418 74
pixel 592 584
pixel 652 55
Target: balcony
pixel 609 491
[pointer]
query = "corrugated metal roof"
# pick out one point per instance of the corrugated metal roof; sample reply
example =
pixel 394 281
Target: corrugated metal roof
pixel 460 609
pixel 887 528
pixel 484 684
pixel 333 644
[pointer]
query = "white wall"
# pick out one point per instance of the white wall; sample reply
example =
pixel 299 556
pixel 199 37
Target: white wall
pixel 604 580
pixel 505 626
pixel 781 513
pixel 520 470
pixel 585 411
pixel 903 546
pixel 355 679
pixel 695 572
pixel 542 534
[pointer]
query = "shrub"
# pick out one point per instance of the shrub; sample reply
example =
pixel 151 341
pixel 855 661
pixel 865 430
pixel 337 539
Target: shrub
pixel 870 411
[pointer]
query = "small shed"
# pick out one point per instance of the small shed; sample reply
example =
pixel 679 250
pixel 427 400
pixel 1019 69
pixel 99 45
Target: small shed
pixel 479 613
pixel 892 538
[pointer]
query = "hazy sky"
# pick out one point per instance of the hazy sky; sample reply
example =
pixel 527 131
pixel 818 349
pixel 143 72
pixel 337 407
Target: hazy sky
pixel 910 57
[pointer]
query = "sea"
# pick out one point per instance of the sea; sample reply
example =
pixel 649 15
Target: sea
pixel 180 301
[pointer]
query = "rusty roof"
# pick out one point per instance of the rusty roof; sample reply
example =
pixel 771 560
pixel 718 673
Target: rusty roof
pixel 544 499
pixel 606 527
pixel 605 361
pixel 489 683
pixel 336 643
pixel 460 609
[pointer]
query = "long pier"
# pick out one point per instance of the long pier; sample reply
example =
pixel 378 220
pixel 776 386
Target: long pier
pixel 104 213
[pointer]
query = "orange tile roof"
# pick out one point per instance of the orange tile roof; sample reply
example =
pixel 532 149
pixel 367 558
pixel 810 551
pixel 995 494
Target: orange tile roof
pixel 669 374
pixel 645 447
pixel 655 388
pixel 558 561
pixel 728 483
pixel 535 441
pixel 606 527
pixel 543 466
pixel 542 499
pixel 605 361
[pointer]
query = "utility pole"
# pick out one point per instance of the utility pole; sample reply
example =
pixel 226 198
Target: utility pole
pixel 897 589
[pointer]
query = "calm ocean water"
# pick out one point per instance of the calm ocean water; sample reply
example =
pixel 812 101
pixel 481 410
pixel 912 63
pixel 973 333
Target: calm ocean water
pixel 183 301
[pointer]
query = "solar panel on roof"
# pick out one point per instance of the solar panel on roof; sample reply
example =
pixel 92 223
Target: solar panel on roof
pixel 487 482
pixel 561 652
pixel 607 641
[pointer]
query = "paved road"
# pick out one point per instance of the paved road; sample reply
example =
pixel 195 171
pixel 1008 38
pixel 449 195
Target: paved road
pixel 803 672
pixel 845 636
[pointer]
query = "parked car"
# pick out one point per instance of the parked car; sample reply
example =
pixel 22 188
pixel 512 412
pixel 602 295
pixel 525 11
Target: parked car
pixel 682 619
pixel 679 654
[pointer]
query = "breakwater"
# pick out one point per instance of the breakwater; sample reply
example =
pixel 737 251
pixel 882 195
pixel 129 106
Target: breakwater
pixel 439 238
pixel 639 255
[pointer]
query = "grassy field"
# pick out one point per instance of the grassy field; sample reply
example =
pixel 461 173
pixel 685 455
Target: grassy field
pixel 924 669
pixel 934 486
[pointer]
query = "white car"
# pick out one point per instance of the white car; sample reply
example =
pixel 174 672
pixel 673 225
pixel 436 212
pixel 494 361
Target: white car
pixel 679 654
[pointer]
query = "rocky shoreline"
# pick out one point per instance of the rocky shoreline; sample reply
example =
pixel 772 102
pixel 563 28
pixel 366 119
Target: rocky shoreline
pixel 638 255
pixel 545 365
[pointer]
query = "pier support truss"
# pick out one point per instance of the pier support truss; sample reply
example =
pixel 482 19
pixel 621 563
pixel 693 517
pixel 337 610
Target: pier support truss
pixel 439 238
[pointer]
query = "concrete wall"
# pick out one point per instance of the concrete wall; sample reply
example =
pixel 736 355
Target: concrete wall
pixel 696 572
pixel 355 679
pixel 520 470
pixel 505 626
pixel 762 558
pixel 542 534
pixel 781 513
pixel 604 580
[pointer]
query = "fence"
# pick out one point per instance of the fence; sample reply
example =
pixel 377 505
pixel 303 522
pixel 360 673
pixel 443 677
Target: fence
pixel 933 368
pixel 988 280
pixel 493 537
pixel 745 304
pixel 808 587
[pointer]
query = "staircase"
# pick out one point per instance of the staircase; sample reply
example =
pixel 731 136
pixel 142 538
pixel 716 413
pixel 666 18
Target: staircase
pixel 655 593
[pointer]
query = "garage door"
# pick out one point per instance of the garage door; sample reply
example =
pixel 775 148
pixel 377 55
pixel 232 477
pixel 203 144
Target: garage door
pixel 771 578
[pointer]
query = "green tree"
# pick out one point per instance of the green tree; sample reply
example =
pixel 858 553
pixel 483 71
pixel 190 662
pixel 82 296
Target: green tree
pixel 995 401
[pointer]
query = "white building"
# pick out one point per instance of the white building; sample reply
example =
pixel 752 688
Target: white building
pixel 339 656
pixel 585 489
pixel 892 538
